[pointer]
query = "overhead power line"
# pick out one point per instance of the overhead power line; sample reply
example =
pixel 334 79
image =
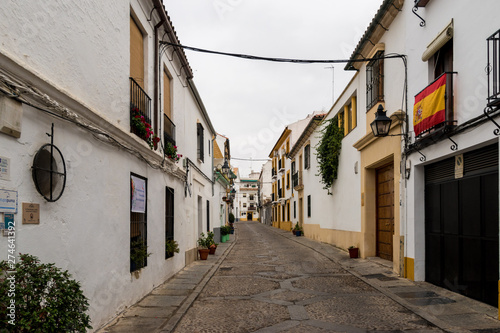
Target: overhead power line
pixel 297 61
pixel 251 159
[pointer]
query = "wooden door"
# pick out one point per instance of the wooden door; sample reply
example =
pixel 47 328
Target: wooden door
pixel 385 211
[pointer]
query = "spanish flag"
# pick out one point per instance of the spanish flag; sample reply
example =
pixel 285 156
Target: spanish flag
pixel 430 108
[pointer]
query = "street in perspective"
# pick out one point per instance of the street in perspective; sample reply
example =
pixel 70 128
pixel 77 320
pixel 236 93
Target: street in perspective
pixel 249 166
pixel 267 280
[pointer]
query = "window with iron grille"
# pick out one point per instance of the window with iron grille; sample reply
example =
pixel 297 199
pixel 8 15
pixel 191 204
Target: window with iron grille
pixel 208 215
pixel 294 209
pixel 493 69
pixel 375 81
pixel 138 222
pixel 200 140
pixel 308 206
pixel 169 217
pixel 307 156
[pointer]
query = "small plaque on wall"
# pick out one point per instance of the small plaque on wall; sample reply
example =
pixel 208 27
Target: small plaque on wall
pixel 459 166
pixel 31 213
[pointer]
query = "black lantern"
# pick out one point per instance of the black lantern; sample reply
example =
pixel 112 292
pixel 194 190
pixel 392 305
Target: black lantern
pixel 225 168
pixel 382 124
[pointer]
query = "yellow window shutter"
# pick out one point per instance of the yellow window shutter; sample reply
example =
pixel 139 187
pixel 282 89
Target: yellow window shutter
pixel 346 119
pixel 136 53
pixel 354 111
pixel 166 96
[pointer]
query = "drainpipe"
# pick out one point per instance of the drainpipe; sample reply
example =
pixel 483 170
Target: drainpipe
pixel 156 66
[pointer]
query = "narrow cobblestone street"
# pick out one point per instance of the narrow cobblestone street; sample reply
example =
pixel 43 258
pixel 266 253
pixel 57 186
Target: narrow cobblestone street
pixel 267 280
pixel 269 283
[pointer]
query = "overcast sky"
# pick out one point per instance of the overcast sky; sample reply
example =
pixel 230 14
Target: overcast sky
pixel 252 101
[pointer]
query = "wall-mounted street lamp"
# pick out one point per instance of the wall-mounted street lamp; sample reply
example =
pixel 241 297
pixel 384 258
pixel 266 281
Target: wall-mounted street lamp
pixel 225 168
pixel 382 124
pixel 381 127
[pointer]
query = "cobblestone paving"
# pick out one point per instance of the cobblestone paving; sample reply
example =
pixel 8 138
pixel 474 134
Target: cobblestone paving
pixel 267 283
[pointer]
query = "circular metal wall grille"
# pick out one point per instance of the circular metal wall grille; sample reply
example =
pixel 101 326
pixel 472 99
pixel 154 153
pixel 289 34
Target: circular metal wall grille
pixel 49 172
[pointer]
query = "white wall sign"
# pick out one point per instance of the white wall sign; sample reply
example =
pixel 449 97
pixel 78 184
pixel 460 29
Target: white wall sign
pixel 8 201
pixel 138 194
pixel 459 166
pixel 4 168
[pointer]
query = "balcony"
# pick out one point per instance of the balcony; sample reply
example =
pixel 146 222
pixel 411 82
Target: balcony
pixel 252 208
pixel 297 181
pixel 273 173
pixel 140 105
pixel 280 192
pixel 442 119
pixel 493 69
pixel 168 130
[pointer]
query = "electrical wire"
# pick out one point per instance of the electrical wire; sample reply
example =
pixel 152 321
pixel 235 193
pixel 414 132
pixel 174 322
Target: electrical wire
pixel 251 159
pixel 286 60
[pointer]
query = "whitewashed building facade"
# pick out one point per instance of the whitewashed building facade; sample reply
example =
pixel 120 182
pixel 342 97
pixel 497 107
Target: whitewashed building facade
pixel 89 70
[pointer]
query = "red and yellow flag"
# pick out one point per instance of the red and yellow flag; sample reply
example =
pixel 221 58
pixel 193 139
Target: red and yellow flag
pixel 430 108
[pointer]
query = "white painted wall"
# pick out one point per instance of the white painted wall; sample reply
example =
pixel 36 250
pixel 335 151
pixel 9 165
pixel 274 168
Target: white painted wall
pixel 472 25
pixel 79 55
pixel 266 188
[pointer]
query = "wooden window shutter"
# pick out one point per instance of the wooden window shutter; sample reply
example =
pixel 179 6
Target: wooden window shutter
pixel 166 96
pixel 136 53
pixel 354 112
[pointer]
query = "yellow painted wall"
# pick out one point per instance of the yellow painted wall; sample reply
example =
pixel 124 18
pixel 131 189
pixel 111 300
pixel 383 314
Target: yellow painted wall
pixel 339 238
pixel 409 268
pixel 286 225
pixel 377 153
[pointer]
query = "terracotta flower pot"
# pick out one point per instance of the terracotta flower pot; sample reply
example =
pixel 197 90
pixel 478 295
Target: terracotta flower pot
pixel 353 252
pixel 204 253
pixel 212 249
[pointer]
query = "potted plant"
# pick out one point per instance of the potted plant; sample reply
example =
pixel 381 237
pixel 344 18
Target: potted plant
pixel 353 252
pixel 297 230
pixel 224 234
pixel 171 152
pixel 143 129
pixel 203 246
pixel 138 254
pixel 213 244
pixel 171 247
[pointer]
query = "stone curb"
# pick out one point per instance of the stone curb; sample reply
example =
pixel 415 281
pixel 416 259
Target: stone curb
pixel 171 323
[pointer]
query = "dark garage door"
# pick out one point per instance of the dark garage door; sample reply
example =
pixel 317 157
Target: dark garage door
pixel 461 225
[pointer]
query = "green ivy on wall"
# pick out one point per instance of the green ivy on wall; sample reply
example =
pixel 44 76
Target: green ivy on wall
pixel 328 152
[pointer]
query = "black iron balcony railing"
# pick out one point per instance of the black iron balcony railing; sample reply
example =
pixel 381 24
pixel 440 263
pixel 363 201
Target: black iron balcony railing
pixel 493 69
pixel 140 101
pixel 447 122
pixel 295 179
pixel 168 130
pixel 273 172
pixel 273 197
